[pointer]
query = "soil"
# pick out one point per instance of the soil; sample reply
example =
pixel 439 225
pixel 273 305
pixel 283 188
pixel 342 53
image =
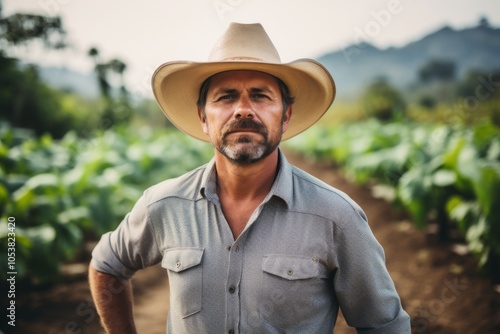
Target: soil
pixel 438 283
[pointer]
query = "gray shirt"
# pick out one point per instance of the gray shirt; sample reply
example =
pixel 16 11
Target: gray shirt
pixel 306 250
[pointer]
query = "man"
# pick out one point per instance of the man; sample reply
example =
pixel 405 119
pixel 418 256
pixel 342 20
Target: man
pixel 251 244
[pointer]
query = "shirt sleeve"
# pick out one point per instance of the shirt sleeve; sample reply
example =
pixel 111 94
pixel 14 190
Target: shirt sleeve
pixel 363 287
pixel 132 246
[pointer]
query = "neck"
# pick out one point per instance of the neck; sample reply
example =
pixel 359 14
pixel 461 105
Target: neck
pixel 246 181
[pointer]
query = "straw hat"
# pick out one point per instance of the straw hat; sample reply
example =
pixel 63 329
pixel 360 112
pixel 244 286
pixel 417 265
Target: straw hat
pixel 176 84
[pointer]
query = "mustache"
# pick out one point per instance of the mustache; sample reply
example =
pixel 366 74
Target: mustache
pixel 245 124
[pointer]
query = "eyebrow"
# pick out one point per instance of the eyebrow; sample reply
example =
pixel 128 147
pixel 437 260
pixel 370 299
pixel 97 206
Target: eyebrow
pixel 227 90
pixel 262 89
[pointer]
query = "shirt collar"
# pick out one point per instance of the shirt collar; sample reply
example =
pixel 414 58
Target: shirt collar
pixel 209 181
pixel 282 187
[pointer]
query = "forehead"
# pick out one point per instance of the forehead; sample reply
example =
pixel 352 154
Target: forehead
pixel 243 79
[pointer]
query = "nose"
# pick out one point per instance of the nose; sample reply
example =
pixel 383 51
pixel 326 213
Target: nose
pixel 243 108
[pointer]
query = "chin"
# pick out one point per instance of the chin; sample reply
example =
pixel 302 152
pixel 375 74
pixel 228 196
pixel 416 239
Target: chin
pixel 244 155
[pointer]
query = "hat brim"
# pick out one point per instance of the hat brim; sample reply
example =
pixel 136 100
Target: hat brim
pixel 176 87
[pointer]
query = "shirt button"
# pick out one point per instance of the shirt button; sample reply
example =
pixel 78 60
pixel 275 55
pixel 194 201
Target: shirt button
pixel 232 289
pixel 290 272
pixel 178 265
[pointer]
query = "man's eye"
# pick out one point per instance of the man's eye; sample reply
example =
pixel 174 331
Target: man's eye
pixel 259 96
pixel 227 97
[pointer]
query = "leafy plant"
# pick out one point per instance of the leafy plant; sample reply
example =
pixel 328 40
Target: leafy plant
pixel 61 192
pixel 448 173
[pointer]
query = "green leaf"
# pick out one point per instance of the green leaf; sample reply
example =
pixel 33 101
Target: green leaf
pixel 23 198
pixel 78 216
pixel 474 236
pixel 68 240
pixel 42 181
pixel 414 192
pixel 465 213
pixel 450 158
pixel 494 150
pixel 44 234
pixel 444 178
pixel 4 196
pixel 487 187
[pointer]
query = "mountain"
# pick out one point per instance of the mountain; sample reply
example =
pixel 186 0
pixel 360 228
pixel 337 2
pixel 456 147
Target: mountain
pixel 357 65
pixel 68 79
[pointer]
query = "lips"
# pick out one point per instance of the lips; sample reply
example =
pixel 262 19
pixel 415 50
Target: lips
pixel 243 130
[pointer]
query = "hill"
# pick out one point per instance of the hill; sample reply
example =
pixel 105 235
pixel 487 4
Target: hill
pixel 67 79
pixel 355 66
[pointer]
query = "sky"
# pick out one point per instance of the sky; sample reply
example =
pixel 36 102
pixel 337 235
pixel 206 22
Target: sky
pixel 145 34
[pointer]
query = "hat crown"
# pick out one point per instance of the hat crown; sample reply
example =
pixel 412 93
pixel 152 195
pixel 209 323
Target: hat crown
pixel 242 42
pixel 243 47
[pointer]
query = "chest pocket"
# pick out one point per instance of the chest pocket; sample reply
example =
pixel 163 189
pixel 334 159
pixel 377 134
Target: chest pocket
pixel 185 276
pixel 294 289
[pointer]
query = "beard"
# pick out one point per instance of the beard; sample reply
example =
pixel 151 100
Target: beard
pixel 246 148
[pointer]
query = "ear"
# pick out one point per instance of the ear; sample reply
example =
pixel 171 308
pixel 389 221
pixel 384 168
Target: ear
pixel 203 121
pixel 286 118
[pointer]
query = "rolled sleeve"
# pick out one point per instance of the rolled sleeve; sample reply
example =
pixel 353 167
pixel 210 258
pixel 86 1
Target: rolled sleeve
pixel 132 246
pixel 365 291
pixel 105 260
pixel 399 325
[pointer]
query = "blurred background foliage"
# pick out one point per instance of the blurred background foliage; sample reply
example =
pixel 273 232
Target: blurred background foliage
pixel 72 165
pixel 432 149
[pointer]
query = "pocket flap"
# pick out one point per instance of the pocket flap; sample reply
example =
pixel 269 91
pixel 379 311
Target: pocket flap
pixel 179 259
pixel 293 267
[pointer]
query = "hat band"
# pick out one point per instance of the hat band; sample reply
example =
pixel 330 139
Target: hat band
pixel 243 58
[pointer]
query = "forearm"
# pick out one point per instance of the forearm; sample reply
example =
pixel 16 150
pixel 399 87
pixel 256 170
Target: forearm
pixel 114 302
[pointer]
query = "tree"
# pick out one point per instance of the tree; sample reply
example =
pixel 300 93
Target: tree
pixel 383 101
pixel 25 100
pixel 437 70
pixel 20 29
pixel 116 108
pixel 94 54
pixel 484 23
pixel 119 68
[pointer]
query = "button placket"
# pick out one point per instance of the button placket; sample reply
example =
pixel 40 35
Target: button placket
pixel 232 284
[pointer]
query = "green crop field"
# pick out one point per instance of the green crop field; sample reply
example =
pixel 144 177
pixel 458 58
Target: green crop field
pixel 442 173
pixel 63 192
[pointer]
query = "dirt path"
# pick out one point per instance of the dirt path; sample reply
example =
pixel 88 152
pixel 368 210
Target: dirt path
pixel 440 289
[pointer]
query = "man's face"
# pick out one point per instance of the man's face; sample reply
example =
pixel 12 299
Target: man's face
pixel 243 115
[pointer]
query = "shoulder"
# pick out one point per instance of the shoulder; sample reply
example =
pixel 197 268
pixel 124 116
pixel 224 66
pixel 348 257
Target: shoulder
pixel 186 186
pixel 311 195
